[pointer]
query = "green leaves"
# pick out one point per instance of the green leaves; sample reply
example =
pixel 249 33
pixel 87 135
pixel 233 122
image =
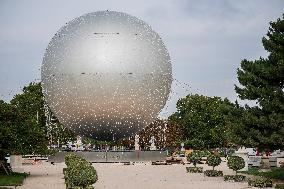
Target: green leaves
pixel 194 157
pixel 262 80
pixel 213 160
pixel 22 123
pixel 203 119
pixel 79 172
pixel 236 163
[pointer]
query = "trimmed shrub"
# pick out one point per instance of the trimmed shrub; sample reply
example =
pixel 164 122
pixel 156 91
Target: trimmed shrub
pixel 82 175
pixel 194 169
pixel 79 173
pixel 236 163
pixel 213 173
pixel 205 153
pixel 213 160
pixel 235 178
pixel 260 182
pixel 71 158
pixel 194 157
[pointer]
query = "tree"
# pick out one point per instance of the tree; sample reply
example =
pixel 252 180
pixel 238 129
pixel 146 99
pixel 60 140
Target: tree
pixel 213 160
pixel 262 80
pixel 203 120
pixel 166 134
pixel 7 118
pixel 194 157
pixel 31 103
pixel 22 123
pixel 236 163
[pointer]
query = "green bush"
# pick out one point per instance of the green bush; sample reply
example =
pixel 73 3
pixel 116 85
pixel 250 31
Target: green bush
pixel 235 178
pixel 213 173
pixel 194 169
pixel 73 158
pixel 205 153
pixel 260 182
pixel 194 157
pixel 70 158
pixel 213 160
pixel 279 186
pixel 236 163
pixel 79 173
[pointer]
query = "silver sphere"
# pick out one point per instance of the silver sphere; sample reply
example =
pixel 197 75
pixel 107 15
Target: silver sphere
pixel 106 75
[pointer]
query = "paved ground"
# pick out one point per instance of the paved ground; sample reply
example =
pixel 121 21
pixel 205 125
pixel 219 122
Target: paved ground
pixel 138 176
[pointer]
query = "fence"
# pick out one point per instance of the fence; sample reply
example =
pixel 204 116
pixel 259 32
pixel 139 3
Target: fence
pixel 114 156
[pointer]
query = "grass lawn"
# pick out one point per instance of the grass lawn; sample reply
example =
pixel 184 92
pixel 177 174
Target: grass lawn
pixel 274 173
pixel 14 179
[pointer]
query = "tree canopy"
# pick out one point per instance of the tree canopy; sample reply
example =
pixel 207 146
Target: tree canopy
pixel 262 81
pixel 23 127
pixel 203 120
pixel 22 123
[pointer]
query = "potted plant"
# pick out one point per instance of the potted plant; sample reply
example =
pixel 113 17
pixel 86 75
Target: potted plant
pixel 213 160
pixel 194 158
pixel 236 163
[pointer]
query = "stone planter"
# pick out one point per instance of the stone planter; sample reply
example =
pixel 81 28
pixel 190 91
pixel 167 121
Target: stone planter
pixel 16 162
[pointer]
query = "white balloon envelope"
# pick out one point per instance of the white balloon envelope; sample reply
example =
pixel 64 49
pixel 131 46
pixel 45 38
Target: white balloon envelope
pixel 106 75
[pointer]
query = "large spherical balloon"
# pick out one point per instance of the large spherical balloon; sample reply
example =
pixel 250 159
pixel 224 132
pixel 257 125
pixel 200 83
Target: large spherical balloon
pixel 106 75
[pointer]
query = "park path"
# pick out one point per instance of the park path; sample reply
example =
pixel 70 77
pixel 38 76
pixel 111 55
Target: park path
pixel 139 176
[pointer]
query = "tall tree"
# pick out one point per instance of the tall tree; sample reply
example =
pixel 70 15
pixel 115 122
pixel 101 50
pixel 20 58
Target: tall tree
pixel 31 103
pixel 203 120
pixel 262 81
pixel 23 122
pixel 7 118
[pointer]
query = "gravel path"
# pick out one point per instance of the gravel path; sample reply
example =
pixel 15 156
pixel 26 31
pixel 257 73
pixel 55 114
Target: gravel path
pixel 138 176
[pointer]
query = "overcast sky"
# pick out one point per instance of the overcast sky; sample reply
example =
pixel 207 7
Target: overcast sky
pixel 206 39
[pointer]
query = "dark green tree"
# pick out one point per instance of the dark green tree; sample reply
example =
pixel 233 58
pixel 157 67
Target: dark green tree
pixel 236 163
pixel 23 122
pixel 213 160
pixel 262 81
pixel 31 103
pixel 7 117
pixel 18 133
pixel 203 120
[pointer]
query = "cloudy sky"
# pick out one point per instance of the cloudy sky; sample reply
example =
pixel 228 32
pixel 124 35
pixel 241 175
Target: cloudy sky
pixel 206 39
